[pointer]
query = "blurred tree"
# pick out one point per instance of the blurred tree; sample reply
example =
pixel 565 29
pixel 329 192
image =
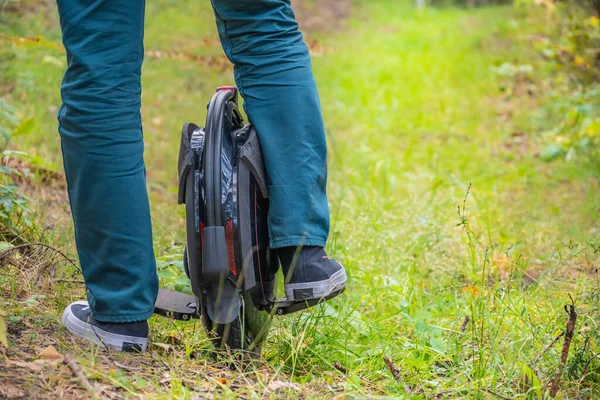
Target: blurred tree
pixel 590 4
pixel 470 3
pixel 596 5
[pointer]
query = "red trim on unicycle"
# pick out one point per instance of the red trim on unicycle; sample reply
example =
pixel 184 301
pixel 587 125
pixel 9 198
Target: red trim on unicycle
pixel 230 249
pixel 232 88
pixel 226 88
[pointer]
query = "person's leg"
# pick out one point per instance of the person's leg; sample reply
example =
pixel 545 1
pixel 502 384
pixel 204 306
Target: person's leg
pixel 102 144
pixel 274 76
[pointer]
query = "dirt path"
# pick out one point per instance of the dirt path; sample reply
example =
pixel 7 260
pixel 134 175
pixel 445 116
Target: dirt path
pixel 322 15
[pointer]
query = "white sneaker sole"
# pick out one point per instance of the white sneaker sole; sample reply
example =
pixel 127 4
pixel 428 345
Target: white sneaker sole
pixel 320 289
pixel 98 336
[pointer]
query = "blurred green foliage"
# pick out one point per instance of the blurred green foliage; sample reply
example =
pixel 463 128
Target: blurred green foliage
pixel 412 115
pixel 589 5
pixel 468 3
pixel 14 212
pixel 574 51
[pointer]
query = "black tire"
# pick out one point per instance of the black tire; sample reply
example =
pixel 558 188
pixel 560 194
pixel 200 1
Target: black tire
pixel 247 332
pixel 186 268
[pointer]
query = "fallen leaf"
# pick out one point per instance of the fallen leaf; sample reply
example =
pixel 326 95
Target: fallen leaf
pixel 278 385
pixel 28 365
pixel 222 381
pixel 163 346
pixel 33 300
pixel 502 266
pixel 127 367
pixel 50 353
pixel 10 391
pixel 472 289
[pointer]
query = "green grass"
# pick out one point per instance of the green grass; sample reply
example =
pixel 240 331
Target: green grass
pixel 417 128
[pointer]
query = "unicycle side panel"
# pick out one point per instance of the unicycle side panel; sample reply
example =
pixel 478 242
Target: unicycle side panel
pixel 224 135
pixel 223 186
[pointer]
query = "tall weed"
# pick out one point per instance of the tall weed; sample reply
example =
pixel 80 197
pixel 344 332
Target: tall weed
pixel 15 215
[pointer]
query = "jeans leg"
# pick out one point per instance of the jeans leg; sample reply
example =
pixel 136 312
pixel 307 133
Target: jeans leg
pixel 273 73
pixel 101 137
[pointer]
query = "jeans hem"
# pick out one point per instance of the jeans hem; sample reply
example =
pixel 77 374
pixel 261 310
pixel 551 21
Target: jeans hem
pixel 298 241
pixel 123 317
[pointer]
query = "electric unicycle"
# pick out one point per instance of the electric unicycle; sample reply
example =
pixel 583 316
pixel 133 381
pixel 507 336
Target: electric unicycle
pixel 223 184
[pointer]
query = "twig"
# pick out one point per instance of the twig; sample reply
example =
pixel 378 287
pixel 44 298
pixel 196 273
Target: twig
pixel 68 280
pixel 495 394
pixel 393 369
pixel 464 324
pixel 569 332
pixel 395 372
pixel 71 363
pixel 127 367
pixel 44 245
pixel 549 346
pixel 340 367
pixel 457 392
pixel 588 363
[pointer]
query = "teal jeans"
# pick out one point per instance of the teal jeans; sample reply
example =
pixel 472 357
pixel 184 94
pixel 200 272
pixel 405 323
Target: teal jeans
pixel 102 142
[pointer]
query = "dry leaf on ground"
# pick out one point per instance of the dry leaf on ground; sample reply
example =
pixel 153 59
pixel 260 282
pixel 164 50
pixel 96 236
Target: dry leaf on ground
pixel 10 391
pixel 50 353
pixel 222 381
pixel 28 365
pixel 163 347
pixel 278 385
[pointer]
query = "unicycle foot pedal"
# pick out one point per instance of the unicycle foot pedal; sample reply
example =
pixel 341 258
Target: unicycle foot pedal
pixel 284 306
pixel 176 305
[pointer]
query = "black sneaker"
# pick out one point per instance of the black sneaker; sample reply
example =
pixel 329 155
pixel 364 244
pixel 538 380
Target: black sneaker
pixel 129 336
pixel 309 273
